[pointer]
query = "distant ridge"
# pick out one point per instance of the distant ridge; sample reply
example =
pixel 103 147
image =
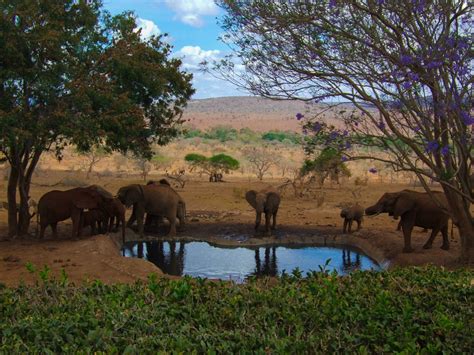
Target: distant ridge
pixel 257 113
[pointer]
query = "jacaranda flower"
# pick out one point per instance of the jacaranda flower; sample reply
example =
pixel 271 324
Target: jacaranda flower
pixel 445 150
pixel 299 116
pixel 467 118
pixel 373 170
pixel 432 147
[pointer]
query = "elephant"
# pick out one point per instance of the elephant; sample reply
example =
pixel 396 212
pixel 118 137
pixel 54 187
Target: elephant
pixel 93 218
pixel 155 220
pixel 416 209
pixel 158 200
pixel 350 214
pixel 56 206
pixel 116 214
pixel 266 201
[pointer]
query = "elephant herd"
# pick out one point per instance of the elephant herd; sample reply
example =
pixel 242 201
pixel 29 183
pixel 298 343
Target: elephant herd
pixel 94 206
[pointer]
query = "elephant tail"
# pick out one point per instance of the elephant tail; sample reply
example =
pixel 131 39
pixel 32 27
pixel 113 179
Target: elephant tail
pixel 37 223
pixel 452 228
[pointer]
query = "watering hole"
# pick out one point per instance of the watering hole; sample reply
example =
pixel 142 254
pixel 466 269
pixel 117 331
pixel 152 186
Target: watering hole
pixel 200 259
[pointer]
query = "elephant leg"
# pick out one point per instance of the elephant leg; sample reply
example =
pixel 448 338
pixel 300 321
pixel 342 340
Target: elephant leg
pixel 274 220
pixel 267 223
pixel 344 226
pixel 140 216
pixel 76 223
pixel 172 218
pixel 258 218
pixel 359 223
pixel 407 228
pixel 54 228
pixel 444 232
pixel 42 229
pixel 399 226
pixel 350 226
pixel 133 217
pixel 429 242
pixel 111 223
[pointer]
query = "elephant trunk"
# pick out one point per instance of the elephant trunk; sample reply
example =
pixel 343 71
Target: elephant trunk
pixel 373 210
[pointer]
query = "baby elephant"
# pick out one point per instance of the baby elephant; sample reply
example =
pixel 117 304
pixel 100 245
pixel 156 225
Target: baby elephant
pixel 93 218
pixel 265 201
pixel 350 214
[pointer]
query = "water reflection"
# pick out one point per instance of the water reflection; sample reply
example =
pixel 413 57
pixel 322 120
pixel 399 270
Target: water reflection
pixel 204 260
pixel 269 266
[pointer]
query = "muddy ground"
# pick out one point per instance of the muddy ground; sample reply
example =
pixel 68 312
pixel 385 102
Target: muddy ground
pixel 218 213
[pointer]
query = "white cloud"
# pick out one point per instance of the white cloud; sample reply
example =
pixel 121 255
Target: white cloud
pixel 191 12
pixel 206 85
pixel 192 56
pixel 148 28
pixel 192 20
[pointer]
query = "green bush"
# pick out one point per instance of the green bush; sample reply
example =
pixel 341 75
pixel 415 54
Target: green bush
pixel 191 133
pixel 410 310
pixel 195 158
pixel 282 136
pixel 245 135
pixel 222 133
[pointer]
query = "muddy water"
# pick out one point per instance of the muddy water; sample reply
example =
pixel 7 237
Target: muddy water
pixel 200 259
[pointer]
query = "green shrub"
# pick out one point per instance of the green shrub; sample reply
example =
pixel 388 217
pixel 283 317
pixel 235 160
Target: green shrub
pixel 282 136
pixel 191 133
pixel 222 133
pixel 412 310
pixel 195 158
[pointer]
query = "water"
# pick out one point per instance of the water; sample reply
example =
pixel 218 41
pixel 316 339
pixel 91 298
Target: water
pixel 200 259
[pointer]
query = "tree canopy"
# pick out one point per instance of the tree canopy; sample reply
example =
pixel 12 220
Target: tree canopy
pixel 73 74
pixel 216 165
pixel 404 65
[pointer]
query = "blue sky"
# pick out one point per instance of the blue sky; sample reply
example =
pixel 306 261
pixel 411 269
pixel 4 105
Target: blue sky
pixel 193 31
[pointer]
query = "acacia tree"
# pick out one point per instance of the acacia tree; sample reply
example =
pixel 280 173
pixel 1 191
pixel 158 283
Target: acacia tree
pixel 72 74
pixel 328 164
pixel 261 160
pixel 92 158
pixel 405 65
pixel 214 166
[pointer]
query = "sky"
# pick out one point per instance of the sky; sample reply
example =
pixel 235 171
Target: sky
pixel 193 31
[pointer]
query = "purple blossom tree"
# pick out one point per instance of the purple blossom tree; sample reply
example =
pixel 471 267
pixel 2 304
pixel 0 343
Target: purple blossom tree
pixel 405 65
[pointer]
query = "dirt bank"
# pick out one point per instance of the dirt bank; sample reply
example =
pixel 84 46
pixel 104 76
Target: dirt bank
pixel 218 213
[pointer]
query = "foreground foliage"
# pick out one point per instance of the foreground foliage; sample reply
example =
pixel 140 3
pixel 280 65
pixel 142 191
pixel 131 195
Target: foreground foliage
pixel 409 309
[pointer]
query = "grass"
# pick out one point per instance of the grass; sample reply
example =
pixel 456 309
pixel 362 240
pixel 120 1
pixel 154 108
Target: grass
pixel 407 310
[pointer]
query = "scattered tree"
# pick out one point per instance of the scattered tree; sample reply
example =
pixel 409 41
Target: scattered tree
pixel 214 166
pixel 261 159
pixel 327 164
pixel 73 74
pixel 92 157
pixel 405 65
pixel 144 166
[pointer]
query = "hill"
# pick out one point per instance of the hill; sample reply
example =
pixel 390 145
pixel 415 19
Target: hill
pixel 259 114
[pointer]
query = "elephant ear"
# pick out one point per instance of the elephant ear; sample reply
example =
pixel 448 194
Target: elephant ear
pixel 403 205
pixel 87 201
pixel 251 197
pixel 130 195
pixel 273 199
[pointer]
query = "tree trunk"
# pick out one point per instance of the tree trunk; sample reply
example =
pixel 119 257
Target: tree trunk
pixel 24 173
pixel 463 220
pixel 11 196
